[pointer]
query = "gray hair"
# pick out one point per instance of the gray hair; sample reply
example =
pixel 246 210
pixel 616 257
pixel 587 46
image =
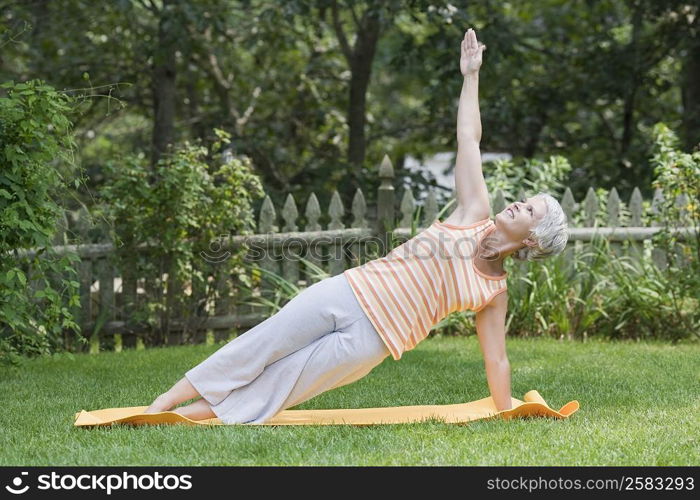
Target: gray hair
pixel 550 235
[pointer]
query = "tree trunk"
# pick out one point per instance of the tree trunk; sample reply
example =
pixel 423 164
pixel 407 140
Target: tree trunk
pixel 359 58
pixel 633 80
pixel 361 70
pixel 164 73
pixel 628 123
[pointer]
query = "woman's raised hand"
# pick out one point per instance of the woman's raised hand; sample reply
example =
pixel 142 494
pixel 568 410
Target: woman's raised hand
pixel 470 60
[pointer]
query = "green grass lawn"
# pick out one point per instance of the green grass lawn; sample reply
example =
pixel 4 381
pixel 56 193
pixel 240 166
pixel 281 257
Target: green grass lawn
pixel 639 406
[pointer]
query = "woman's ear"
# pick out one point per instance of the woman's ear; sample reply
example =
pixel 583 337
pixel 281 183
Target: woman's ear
pixel 529 242
pixel 490 254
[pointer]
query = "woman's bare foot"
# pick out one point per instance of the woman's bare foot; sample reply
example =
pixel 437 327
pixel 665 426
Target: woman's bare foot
pixel 199 410
pixel 161 403
pixel 183 390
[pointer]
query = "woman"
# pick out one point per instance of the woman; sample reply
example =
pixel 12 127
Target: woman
pixel 337 330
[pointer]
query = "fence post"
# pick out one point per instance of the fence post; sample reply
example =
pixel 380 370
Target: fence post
pixel 60 237
pixel 313 251
pixel 153 293
pixel 568 205
pixel 658 255
pixel 385 204
pixel 590 210
pixel 407 207
pixel 290 252
pixel 635 250
pixel 266 225
pixel 613 207
pixel 223 304
pixel 430 208
pixel 105 275
pixel 681 259
pixel 359 209
pixel 336 262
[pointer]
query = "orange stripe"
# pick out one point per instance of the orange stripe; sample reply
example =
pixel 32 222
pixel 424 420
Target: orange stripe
pixel 396 302
pixel 448 299
pixel 445 305
pixel 425 299
pixel 396 352
pixel 470 276
pixel 438 274
pixel 464 279
pixel 382 306
pixel 434 286
pixel 426 272
pixel 434 303
pixel 476 279
pixel 483 291
pixel 418 313
pixel 422 315
pixel 415 306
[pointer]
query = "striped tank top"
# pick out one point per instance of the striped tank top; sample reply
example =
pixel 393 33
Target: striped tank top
pixel 423 280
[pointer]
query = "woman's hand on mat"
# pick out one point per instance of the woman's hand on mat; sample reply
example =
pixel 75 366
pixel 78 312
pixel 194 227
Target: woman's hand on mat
pixel 470 60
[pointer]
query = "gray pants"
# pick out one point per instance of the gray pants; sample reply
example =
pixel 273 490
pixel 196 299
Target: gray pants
pixel 319 340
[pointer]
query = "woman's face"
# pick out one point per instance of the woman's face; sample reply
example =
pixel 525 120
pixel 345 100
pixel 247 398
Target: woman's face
pixel 519 218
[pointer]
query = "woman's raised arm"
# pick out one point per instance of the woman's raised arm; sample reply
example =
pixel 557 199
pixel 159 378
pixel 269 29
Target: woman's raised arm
pixel 471 192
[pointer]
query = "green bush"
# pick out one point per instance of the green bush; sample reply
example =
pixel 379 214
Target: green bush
pixel 36 171
pixel 677 174
pixel 533 175
pixel 183 210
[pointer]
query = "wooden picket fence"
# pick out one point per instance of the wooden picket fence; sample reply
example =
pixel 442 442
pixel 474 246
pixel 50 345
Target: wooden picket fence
pixel 108 295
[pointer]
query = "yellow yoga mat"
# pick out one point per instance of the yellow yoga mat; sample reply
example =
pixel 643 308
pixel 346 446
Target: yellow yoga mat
pixel 532 406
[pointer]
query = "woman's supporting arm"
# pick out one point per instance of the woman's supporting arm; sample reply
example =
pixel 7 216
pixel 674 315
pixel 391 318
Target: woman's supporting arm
pixel 498 376
pixel 491 332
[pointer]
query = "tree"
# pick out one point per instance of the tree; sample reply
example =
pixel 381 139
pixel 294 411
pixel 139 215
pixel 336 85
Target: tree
pixel 317 92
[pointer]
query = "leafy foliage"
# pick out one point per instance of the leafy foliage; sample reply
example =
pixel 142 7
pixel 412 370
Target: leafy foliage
pixel 585 80
pixel 678 177
pixel 533 175
pixel 37 169
pixel 176 221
